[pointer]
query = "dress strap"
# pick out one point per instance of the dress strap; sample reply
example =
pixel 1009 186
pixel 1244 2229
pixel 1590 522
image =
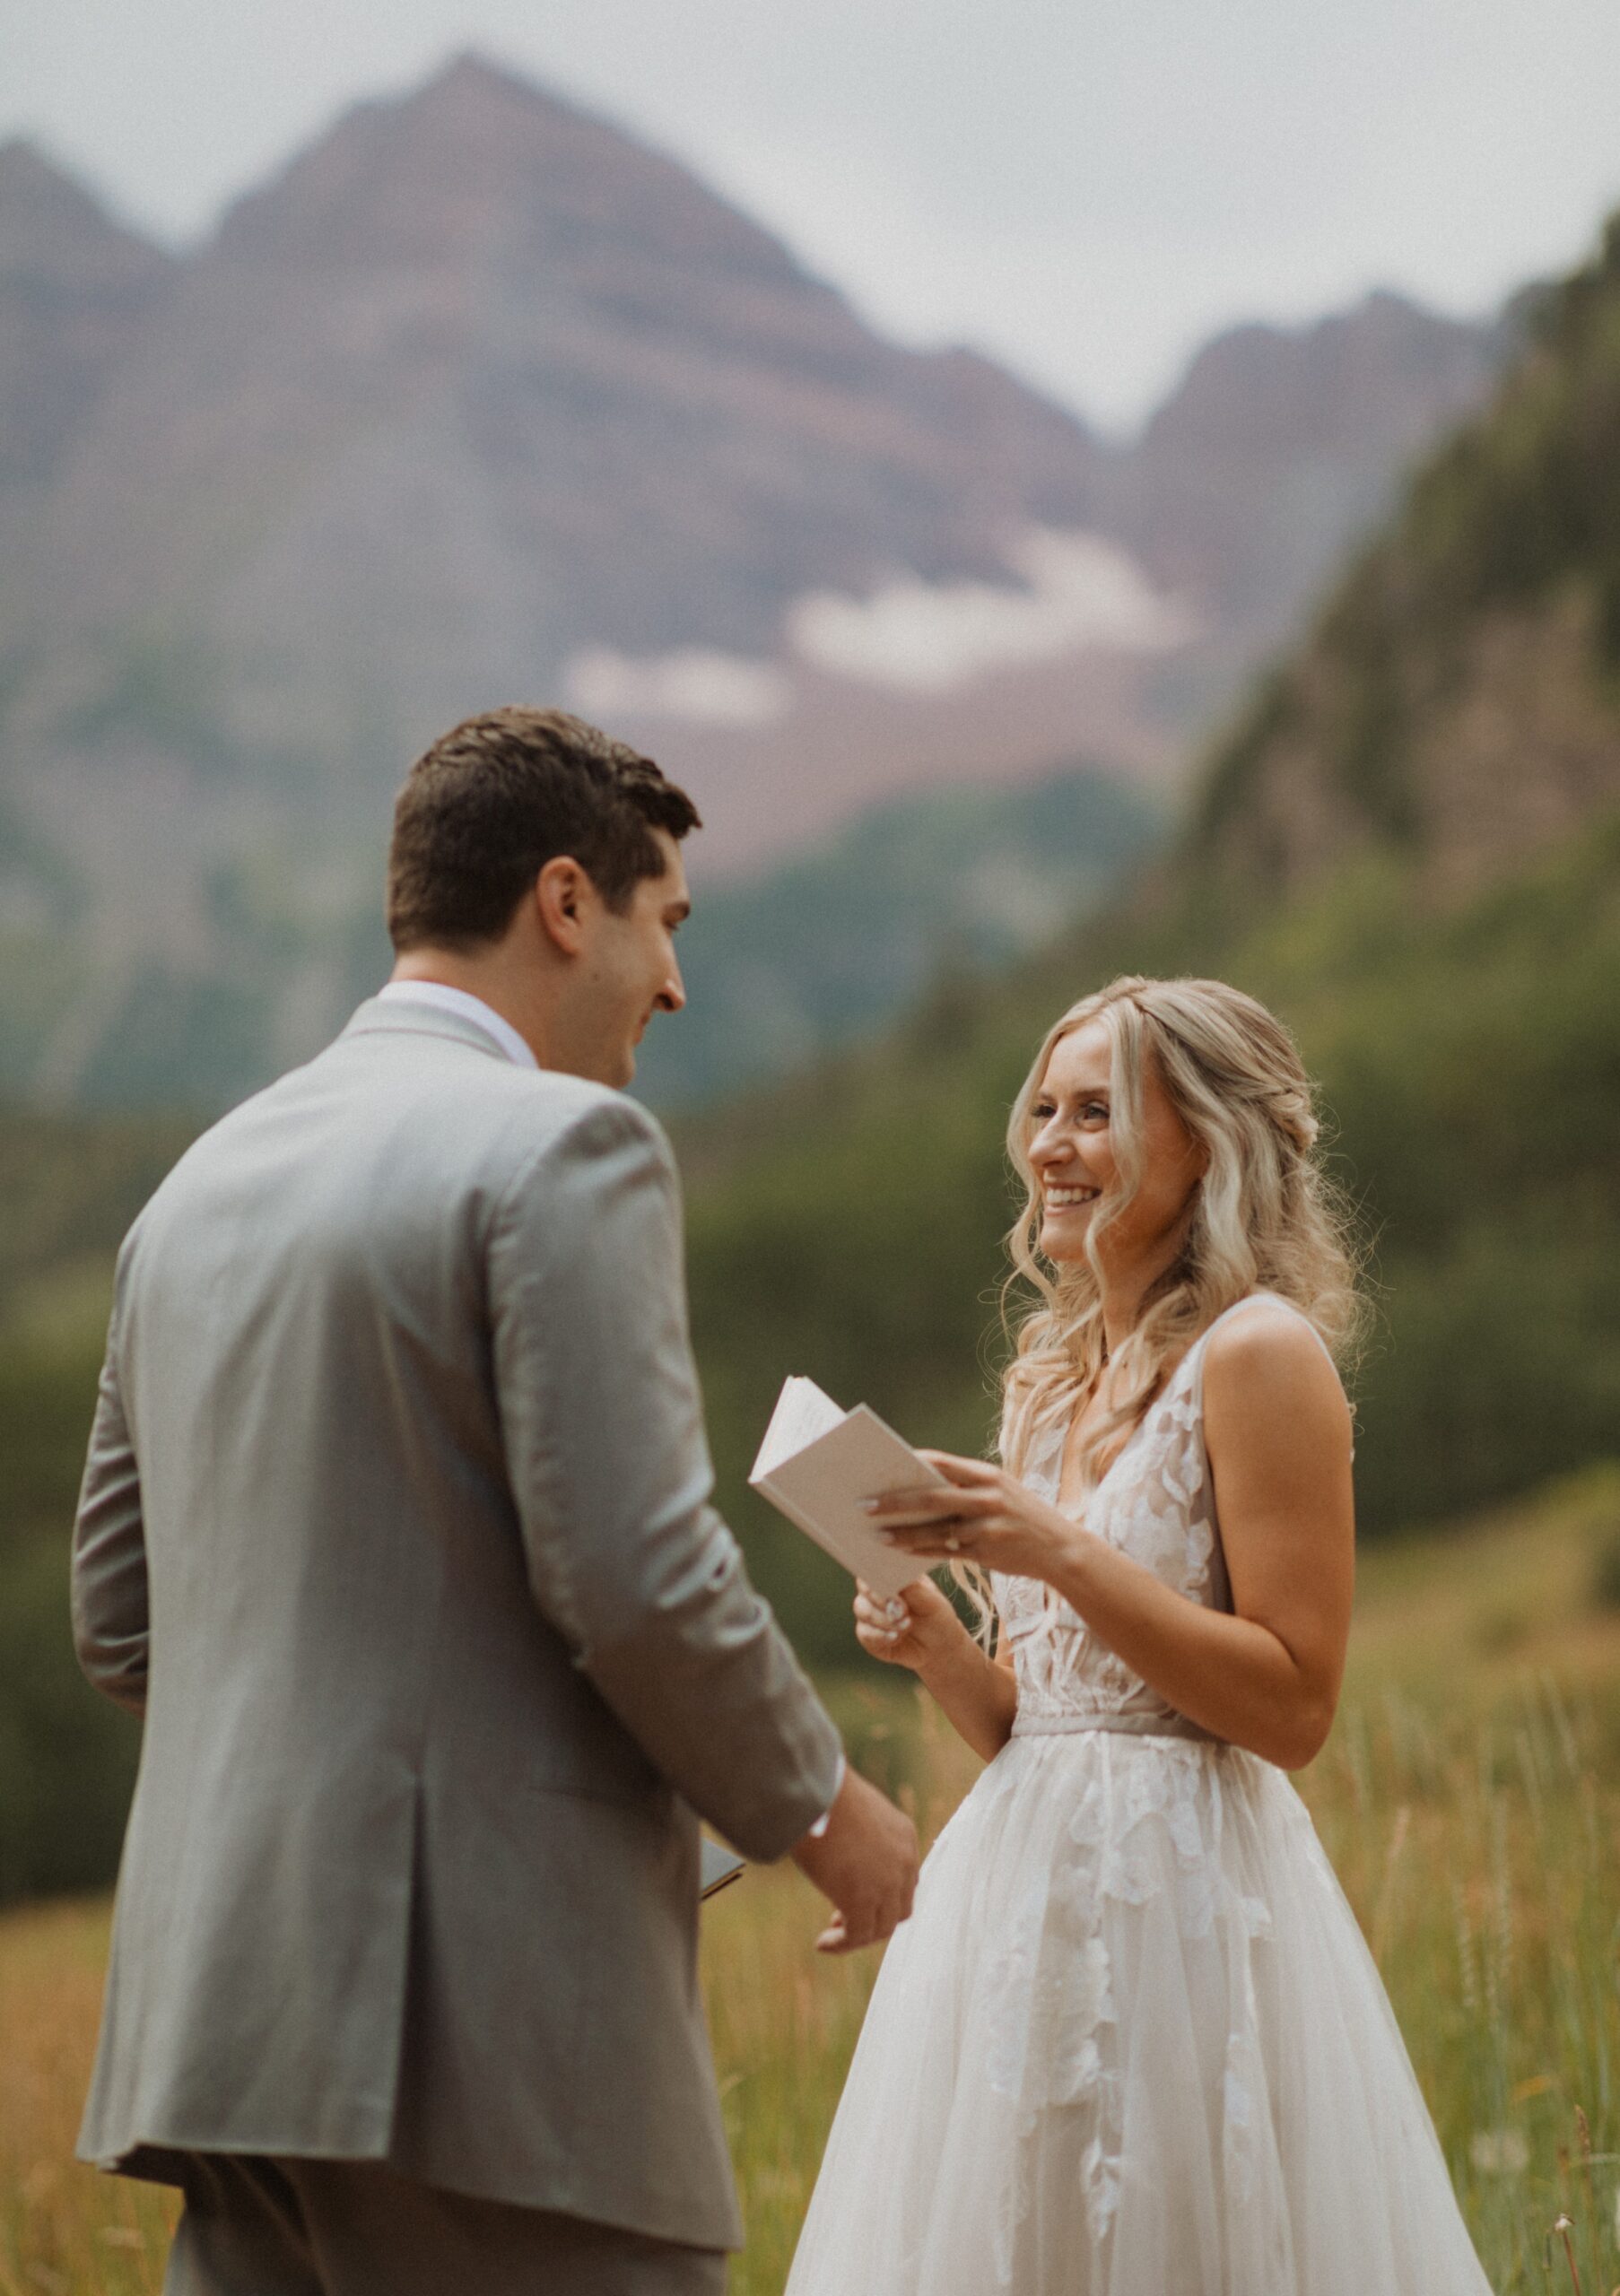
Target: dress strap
pixel 1249 1299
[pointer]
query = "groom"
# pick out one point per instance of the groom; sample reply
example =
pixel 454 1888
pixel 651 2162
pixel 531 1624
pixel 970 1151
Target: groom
pixel 395 1527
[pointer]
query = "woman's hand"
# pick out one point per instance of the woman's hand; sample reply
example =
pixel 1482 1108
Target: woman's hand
pixel 911 1629
pixel 918 1628
pixel 986 1516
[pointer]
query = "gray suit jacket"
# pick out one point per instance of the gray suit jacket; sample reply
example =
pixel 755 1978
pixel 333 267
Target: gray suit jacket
pixel 395 1527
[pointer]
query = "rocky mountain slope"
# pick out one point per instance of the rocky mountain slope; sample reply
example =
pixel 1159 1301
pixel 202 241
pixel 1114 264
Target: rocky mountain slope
pixel 479 382
pixel 1280 449
pixel 482 398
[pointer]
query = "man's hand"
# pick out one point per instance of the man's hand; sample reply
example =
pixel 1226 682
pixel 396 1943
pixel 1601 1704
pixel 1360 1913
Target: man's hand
pixel 865 1864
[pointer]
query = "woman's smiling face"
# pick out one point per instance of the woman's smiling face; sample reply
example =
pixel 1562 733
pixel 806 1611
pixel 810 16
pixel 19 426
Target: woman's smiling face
pixel 1072 1150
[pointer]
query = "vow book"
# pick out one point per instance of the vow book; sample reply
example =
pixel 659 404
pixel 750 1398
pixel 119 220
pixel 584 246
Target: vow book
pixel 818 1463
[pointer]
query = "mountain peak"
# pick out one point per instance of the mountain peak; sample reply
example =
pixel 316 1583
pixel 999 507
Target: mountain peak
pixel 471 72
pixel 473 86
pixel 609 399
pixel 1339 403
pixel 24 164
pixel 480 165
pixel 52 226
pixel 1314 378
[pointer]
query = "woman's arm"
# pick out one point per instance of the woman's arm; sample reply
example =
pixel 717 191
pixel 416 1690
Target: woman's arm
pixel 1278 1432
pixel 920 1629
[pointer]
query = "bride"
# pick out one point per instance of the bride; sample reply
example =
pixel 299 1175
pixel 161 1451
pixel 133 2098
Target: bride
pixel 1131 2042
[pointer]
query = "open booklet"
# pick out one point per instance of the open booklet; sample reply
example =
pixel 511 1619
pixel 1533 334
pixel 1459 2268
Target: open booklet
pixel 817 1463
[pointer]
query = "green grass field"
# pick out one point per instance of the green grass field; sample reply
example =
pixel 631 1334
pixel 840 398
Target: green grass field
pixel 1470 1798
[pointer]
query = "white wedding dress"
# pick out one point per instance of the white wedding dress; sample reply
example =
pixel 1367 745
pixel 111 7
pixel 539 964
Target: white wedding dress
pixel 1131 2042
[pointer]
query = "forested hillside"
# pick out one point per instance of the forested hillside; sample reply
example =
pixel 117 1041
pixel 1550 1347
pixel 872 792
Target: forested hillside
pixel 1457 702
pixel 69 1187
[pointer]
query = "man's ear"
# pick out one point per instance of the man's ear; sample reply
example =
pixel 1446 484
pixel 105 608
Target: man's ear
pixel 563 893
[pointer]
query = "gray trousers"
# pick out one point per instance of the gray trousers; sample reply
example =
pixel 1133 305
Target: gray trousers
pixel 254 2227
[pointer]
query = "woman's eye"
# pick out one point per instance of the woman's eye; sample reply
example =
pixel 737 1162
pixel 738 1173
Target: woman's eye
pixel 1095 1109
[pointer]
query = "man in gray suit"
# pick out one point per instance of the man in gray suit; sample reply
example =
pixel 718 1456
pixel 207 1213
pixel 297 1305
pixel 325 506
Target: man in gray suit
pixel 395 1527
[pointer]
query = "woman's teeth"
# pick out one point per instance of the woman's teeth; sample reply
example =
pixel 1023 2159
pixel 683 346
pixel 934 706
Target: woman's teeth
pixel 1059 1199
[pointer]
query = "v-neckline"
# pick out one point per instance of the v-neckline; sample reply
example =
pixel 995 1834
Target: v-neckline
pixel 1070 1508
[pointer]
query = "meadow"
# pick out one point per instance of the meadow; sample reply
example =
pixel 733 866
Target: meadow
pixel 1469 1797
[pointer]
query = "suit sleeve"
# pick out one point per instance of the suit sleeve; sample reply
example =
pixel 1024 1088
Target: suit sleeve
pixel 108 1580
pixel 603 1427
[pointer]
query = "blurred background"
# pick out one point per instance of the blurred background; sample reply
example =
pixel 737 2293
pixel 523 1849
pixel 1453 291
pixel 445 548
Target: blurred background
pixel 1068 490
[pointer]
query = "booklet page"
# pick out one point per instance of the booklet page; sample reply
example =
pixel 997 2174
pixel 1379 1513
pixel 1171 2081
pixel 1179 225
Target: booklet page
pixel 822 1486
pixel 802 1413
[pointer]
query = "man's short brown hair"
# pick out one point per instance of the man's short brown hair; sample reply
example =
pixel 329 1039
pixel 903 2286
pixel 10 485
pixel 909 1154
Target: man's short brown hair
pixel 500 796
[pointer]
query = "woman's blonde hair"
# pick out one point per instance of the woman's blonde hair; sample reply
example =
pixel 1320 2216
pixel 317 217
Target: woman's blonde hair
pixel 1265 1215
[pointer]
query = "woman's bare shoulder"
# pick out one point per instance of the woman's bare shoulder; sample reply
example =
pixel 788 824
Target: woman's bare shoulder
pixel 1270 1356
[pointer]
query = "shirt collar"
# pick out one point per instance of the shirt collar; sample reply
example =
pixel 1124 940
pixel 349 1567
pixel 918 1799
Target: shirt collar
pixel 471 1008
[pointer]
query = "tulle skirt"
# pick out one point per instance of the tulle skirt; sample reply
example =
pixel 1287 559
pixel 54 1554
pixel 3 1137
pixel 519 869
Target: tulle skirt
pixel 1131 2043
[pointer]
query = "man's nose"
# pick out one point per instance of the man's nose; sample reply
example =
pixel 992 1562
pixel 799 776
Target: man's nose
pixel 672 996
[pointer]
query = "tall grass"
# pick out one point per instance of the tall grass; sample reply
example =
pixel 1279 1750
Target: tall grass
pixel 1470 1798
pixel 1481 1860
pixel 65 2230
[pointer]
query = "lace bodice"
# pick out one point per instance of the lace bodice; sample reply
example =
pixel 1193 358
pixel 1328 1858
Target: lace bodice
pixel 1155 1503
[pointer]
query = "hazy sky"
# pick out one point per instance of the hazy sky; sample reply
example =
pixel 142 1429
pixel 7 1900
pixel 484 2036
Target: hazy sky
pixel 1083 187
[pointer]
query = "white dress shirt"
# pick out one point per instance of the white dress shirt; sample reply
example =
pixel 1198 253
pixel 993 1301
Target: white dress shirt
pixel 484 1016
pixel 470 1007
